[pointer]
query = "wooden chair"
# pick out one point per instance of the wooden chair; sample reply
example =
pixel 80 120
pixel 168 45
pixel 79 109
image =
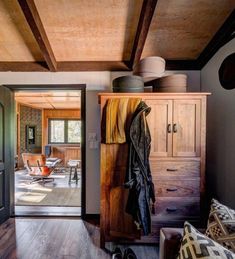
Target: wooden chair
pixel 37 168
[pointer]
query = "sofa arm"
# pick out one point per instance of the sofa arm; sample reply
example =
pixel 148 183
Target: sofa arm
pixel 170 239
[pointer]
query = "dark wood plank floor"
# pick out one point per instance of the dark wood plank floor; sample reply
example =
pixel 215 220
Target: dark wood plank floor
pixel 49 238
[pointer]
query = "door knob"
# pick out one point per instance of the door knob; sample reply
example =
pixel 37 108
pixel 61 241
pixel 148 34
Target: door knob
pixel 175 128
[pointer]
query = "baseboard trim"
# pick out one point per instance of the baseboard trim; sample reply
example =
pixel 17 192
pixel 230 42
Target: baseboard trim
pixel 92 216
pixel 21 211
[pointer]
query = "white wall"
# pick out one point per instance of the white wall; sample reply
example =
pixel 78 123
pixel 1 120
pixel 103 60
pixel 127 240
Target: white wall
pixel 220 130
pixel 96 82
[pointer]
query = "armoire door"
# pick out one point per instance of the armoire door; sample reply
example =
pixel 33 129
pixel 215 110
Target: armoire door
pixel 160 126
pixel 186 128
pixel 6 150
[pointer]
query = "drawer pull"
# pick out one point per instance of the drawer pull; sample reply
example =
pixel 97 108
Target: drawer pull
pixel 171 209
pixel 173 189
pixel 171 170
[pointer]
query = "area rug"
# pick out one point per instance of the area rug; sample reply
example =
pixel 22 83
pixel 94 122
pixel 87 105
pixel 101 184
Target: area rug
pixel 56 197
pixel 57 193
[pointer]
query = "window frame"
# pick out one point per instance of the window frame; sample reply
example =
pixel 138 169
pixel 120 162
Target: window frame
pixel 65 131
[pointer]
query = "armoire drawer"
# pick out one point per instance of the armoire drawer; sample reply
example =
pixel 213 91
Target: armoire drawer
pixel 176 208
pixel 156 227
pixel 177 188
pixel 175 168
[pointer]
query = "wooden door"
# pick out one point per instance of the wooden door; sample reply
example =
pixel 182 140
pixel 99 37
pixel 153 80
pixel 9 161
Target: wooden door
pixel 160 126
pixel 186 128
pixel 6 150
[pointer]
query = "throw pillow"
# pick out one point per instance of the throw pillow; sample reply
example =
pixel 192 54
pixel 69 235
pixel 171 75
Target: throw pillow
pixel 221 225
pixel 196 245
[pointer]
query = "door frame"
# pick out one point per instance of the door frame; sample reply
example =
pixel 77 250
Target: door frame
pixel 56 87
pixel 7 164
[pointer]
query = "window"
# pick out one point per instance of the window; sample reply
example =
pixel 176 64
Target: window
pixel 64 131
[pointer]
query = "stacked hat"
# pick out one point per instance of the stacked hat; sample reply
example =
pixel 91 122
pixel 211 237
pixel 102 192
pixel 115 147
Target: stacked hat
pixel 150 68
pixel 172 83
pixel 128 84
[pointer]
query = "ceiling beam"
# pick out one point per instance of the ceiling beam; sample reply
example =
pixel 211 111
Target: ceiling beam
pixel 31 14
pixel 92 66
pixel 223 35
pixel 145 19
pixel 77 66
pixel 65 66
pixel 23 67
pixel 191 64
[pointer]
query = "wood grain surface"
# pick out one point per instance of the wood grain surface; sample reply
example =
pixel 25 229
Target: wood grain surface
pixel 189 24
pixel 177 162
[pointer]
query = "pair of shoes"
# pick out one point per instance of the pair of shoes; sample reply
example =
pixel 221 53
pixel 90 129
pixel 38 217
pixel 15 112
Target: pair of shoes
pixel 117 254
pixel 129 254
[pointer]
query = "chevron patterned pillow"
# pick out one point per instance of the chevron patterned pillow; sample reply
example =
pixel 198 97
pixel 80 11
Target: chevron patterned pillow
pixel 221 225
pixel 196 245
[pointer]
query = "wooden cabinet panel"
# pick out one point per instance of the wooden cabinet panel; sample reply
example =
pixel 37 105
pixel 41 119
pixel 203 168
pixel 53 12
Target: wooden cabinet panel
pixel 154 236
pixel 121 223
pixel 175 169
pixel 115 221
pixel 177 188
pixel 186 128
pixel 175 128
pixel 172 208
pixel 159 121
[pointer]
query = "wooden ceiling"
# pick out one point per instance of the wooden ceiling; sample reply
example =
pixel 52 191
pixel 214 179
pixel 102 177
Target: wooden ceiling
pixel 90 30
pixel 17 42
pixel 50 99
pixel 181 29
pixel 81 35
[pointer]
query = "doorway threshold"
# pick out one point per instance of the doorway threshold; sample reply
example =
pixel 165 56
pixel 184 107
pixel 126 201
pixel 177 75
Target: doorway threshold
pixel 47 211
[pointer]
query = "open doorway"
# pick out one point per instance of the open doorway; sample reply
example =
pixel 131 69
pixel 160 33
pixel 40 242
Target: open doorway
pixel 49 162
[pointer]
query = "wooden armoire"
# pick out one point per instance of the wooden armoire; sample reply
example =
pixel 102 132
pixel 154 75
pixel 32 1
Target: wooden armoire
pixel 177 124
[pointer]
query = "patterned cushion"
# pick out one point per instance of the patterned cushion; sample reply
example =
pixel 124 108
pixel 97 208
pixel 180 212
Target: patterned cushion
pixel 221 225
pixel 196 245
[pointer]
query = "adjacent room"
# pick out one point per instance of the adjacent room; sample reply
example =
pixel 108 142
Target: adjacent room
pixel 48 160
pixel 117 129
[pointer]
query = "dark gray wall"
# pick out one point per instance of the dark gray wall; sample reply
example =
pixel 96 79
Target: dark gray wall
pixel 220 130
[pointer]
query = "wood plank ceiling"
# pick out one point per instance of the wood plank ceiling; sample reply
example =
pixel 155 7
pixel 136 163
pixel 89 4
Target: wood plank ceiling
pixel 17 42
pixel 185 27
pixel 50 100
pixel 81 35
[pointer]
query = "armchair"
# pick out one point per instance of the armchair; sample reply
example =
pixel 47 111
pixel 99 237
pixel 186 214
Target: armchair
pixel 37 168
pixel 170 239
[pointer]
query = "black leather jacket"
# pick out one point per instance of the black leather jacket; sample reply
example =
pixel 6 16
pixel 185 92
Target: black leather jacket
pixel 138 177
